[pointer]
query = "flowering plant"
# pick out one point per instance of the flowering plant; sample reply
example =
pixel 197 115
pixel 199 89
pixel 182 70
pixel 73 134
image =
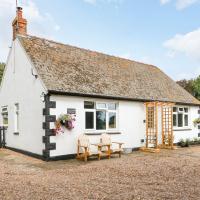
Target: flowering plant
pixel 196 121
pixel 64 120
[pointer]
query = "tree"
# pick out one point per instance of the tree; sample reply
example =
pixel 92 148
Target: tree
pixel 2 66
pixel 196 87
pixel 192 86
pixel 187 85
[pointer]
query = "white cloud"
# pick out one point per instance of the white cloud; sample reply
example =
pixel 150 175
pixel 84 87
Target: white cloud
pixel 38 23
pixel 180 4
pixel 189 75
pixel 188 44
pixel 90 1
pixel 163 2
pixel 94 2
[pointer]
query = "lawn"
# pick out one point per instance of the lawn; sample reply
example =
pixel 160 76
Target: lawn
pixel 169 174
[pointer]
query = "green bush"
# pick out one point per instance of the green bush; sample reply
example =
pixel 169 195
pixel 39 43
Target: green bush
pixel 188 142
pixel 181 143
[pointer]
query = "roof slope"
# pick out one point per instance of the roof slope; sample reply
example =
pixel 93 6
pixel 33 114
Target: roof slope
pixel 69 69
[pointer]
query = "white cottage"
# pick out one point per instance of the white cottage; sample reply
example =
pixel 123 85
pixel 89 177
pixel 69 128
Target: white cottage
pixel 44 79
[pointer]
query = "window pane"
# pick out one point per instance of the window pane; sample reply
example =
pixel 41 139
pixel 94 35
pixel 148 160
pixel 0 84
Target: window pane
pixel 4 109
pixel 5 119
pixel 101 105
pixel 186 110
pixel 186 120
pixel 112 106
pixel 89 120
pixel 180 109
pixel 112 120
pixel 100 120
pixel 174 120
pixel 174 109
pixel 180 120
pixel 88 104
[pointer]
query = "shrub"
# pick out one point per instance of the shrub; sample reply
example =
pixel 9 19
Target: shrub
pixel 181 143
pixel 188 142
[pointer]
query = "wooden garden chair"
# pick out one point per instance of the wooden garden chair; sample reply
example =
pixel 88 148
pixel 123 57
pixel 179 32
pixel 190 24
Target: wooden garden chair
pixel 106 140
pixel 85 150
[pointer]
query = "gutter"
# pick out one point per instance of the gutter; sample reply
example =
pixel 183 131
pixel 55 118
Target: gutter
pixel 55 92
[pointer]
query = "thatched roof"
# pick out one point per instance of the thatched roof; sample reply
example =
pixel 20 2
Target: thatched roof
pixel 72 70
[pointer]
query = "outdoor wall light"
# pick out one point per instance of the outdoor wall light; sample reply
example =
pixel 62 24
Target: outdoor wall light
pixel 35 75
pixel 42 97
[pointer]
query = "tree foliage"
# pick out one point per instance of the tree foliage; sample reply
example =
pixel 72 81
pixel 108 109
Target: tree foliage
pixel 196 87
pixel 2 66
pixel 192 86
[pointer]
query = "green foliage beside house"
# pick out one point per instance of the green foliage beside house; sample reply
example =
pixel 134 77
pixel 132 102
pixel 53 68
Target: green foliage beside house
pixel 2 66
pixel 192 86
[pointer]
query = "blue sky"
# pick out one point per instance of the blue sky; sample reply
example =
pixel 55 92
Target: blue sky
pixel 165 33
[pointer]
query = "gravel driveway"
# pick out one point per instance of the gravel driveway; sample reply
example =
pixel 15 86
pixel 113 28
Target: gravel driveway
pixel 166 175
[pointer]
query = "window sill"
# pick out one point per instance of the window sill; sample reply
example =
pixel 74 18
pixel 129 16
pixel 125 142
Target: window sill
pixel 182 129
pixel 16 133
pixel 109 133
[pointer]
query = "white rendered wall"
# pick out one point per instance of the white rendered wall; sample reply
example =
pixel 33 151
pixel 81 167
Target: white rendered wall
pixel 131 125
pixel 20 86
pixel 130 121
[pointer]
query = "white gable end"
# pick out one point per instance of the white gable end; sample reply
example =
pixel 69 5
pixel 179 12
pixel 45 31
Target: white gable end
pixel 19 86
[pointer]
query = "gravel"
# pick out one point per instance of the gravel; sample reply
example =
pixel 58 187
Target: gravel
pixel 170 174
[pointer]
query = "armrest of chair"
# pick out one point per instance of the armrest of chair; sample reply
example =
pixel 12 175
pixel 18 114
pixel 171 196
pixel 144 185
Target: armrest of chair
pixel 119 143
pixel 85 147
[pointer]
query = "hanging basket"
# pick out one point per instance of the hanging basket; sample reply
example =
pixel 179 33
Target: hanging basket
pixel 64 121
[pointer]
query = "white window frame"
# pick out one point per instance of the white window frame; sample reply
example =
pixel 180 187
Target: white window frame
pixel 94 130
pixel 183 118
pixel 3 113
pixel 16 118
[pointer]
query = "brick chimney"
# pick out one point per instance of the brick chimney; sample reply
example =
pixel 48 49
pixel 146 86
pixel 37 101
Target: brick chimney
pixel 19 24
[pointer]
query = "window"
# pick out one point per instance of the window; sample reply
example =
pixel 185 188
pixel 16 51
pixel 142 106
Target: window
pixel 180 117
pixel 16 118
pixel 4 113
pixel 100 116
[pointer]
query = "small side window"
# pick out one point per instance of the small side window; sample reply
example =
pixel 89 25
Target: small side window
pixel 4 113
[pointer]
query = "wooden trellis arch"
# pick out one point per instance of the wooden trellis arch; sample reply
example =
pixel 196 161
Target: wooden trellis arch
pixel 152 123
